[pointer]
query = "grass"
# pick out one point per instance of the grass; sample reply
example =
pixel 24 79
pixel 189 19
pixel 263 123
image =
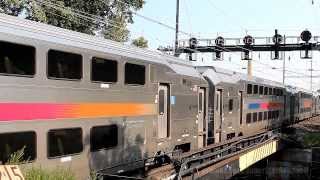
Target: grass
pixel 38 173
pixel 311 140
pixel 42 174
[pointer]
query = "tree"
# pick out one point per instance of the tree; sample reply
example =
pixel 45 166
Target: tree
pixel 140 42
pixel 106 17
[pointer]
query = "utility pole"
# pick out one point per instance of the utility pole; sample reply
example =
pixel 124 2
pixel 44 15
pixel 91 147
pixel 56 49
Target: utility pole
pixel 249 68
pixel 176 44
pixel 284 63
pixel 311 75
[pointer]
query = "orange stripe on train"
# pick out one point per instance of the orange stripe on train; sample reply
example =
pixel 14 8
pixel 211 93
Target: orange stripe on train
pixel 52 111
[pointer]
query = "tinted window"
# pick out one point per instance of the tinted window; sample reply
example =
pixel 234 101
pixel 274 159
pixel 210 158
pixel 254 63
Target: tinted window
pixel 269 115
pixel 230 104
pixel 161 102
pixel 274 91
pixel 255 117
pixel 135 74
pixel 200 101
pixel 266 91
pixel 249 89
pixel 17 59
pixel 265 115
pixel 104 137
pixel 261 90
pixel 104 70
pixel 13 142
pixel 63 142
pixel 255 89
pixel 64 65
pixel 260 117
pixel 248 119
pixel 270 91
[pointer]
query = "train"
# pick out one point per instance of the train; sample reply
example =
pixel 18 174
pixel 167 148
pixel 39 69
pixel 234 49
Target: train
pixel 87 104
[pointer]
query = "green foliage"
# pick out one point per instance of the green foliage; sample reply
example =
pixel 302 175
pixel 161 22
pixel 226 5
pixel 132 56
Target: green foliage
pixel 140 42
pixel 16 158
pixel 108 17
pixel 41 174
pixel 311 140
pixel 34 173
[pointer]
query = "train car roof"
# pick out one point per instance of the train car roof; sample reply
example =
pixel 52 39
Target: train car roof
pixel 294 89
pixel 38 31
pixel 220 75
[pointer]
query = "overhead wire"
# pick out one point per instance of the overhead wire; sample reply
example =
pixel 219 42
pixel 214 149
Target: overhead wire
pixel 87 17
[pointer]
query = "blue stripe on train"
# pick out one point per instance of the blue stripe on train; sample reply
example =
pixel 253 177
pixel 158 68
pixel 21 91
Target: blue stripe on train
pixel 254 106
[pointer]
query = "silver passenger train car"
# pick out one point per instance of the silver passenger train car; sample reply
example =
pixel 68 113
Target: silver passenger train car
pixel 85 103
pixel 241 106
pixel 81 102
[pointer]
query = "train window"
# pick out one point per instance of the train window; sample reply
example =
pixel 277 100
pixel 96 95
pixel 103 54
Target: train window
pixel 249 89
pixel 260 116
pixel 255 117
pixel 161 101
pixel 200 101
pixel 248 118
pixel 135 74
pixel 62 142
pixel 274 114
pixel 16 59
pixel 265 115
pixel 230 104
pixel 275 91
pixel 64 65
pixel 265 90
pixel 103 137
pixel 13 142
pixel 103 70
pixel 270 91
pixel 255 89
pixel 269 115
pixel 261 90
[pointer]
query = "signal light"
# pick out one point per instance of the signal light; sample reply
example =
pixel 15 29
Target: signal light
pixel 193 42
pixel 218 55
pixel 306 36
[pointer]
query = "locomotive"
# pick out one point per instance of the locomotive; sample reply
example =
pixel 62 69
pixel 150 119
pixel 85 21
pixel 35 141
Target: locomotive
pixel 88 104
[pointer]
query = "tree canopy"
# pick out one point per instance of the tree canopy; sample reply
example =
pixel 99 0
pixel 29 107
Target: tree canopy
pixel 105 17
pixel 140 42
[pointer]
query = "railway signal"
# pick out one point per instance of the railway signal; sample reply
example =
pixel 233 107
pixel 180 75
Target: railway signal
pixel 306 37
pixel 219 43
pixel 248 41
pixel 277 39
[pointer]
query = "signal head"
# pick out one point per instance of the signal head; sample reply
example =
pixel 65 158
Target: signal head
pixel 277 39
pixel 306 36
pixel 248 40
pixel 193 42
pixel 219 41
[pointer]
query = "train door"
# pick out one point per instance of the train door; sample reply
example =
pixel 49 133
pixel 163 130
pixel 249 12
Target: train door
pixel 201 117
pixel 163 112
pixel 219 111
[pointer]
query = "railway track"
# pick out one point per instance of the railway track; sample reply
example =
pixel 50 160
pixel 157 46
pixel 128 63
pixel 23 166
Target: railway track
pixel 206 160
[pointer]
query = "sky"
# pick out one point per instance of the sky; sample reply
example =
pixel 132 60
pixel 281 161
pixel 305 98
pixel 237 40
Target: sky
pixel 235 19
